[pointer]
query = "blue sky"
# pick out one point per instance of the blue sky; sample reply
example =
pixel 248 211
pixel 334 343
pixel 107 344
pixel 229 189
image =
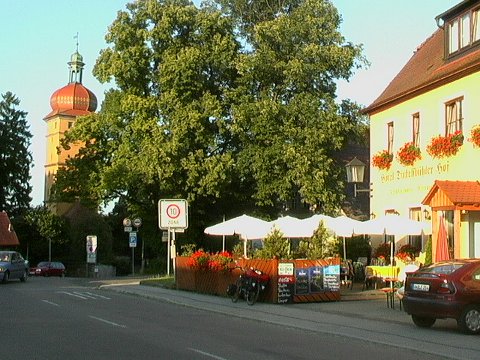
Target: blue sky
pixel 37 39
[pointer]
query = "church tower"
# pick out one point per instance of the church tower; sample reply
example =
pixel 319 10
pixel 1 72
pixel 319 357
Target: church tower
pixel 67 104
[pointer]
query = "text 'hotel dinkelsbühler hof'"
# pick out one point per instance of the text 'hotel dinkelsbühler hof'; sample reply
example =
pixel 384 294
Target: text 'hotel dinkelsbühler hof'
pixel 425 134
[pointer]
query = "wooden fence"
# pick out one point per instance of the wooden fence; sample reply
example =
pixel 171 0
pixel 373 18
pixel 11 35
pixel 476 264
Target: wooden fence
pixel 298 288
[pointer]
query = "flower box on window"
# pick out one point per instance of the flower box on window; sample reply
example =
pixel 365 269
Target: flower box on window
pixel 443 146
pixel 475 136
pixel 408 154
pixel 382 160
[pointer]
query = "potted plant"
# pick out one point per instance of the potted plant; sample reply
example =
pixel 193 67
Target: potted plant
pixel 475 136
pixel 407 253
pixel 408 154
pixel 383 160
pixel 443 146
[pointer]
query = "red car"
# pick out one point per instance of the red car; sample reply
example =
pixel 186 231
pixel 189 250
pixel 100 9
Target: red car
pixel 47 268
pixel 447 289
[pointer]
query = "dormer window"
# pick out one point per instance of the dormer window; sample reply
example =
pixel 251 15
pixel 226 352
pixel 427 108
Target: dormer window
pixel 463 31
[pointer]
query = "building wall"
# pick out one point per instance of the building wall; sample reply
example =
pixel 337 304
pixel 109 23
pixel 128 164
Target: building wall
pixel 402 187
pixel 56 128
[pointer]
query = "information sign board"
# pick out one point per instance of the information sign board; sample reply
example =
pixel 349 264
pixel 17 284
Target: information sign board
pixel 133 239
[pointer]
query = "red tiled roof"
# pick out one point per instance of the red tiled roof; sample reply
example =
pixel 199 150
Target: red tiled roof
pixel 73 99
pixel 426 70
pixel 8 237
pixel 458 192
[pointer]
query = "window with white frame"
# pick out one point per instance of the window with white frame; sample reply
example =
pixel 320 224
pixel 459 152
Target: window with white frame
pixel 476 25
pixel 463 31
pixel 415 213
pixel 390 137
pixel 453 116
pixel 416 129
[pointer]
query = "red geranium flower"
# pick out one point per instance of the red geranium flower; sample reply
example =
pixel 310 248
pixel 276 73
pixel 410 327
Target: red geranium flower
pixel 408 154
pixel 443 146
pixel 383 159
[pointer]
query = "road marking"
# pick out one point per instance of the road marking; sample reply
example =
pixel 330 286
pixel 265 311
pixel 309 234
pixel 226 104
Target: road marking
pixel 98 296
pixel 86 294
pixel 49 302
pixel 106 321
pixel 207 354
pixel 72 294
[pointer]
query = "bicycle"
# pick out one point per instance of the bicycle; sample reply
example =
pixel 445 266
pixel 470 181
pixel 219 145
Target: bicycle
pixel 248 285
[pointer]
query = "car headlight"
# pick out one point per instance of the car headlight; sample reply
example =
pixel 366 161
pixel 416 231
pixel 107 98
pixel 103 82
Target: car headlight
pixel 2 268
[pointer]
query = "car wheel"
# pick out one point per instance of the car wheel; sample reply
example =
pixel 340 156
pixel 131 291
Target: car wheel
pixel 24 276
pixel 423 321
pixel 469 321
pixel 6 276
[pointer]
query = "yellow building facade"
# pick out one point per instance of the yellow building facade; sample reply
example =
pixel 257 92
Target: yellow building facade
pixel 435 95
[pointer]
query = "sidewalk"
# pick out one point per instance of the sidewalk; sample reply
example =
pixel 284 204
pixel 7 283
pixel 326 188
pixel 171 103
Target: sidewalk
pixel 354 303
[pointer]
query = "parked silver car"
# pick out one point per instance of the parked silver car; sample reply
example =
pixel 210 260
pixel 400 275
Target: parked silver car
pixel 12 266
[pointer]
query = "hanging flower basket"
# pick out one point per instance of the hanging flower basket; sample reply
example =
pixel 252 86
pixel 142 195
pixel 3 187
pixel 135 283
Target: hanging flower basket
pixel 382 160
pixel 475 136
pixel 443 146
pixel 408 154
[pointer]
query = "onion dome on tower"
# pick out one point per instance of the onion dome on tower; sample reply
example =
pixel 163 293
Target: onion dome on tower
pixel 73 99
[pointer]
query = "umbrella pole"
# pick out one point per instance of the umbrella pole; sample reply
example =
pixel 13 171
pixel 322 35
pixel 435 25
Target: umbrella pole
pixel 344 249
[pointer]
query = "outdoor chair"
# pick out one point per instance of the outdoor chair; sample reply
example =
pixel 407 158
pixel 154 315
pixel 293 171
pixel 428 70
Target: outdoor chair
pixel 370 279
pixel 348 274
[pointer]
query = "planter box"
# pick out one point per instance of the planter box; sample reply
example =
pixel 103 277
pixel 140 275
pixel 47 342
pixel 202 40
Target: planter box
pixel 309 281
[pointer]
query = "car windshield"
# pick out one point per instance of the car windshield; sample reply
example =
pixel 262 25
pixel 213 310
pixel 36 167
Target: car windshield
pixel 443 268
pixel 4 256
pixel 43 263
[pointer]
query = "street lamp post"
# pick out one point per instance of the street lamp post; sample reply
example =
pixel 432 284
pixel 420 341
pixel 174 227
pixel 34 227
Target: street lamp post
pixel 355 174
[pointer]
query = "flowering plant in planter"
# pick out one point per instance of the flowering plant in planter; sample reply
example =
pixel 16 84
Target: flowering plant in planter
pixel 383 159
pixel 443 146
pixel 475 136
pixel 408 154
pixel 382 252
pixel 202 260
pixel 407 253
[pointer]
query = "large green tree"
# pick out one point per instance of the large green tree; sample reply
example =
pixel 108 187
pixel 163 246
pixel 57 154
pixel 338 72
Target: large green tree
pixel 229 106
pixel 15 158
pixel 286 115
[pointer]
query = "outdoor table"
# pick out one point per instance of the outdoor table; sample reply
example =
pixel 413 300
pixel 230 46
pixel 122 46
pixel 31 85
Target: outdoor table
pixel 384 272
pixel 389 274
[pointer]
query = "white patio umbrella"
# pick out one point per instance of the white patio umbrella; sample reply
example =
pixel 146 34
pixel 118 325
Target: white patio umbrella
pixel 396 225
pixel 247 227
pixel 313 222
pixel 345 227
pixel 292 227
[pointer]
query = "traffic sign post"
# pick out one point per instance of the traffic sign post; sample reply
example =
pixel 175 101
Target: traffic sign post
pixel 132 240
pixel 172 216
pixel 91 249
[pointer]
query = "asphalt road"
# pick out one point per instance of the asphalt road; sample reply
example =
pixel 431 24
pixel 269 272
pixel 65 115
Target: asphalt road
pixel 64 318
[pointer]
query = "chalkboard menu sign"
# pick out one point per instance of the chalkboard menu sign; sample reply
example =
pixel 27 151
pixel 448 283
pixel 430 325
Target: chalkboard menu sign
pixel 315 279
pixel 285 288
pixel 331 278
pixel 301 281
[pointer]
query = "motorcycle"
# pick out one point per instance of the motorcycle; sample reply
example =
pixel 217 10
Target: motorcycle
pixel 249 285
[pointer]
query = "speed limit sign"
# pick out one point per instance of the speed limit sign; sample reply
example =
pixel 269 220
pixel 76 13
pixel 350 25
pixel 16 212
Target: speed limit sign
pixel 173 214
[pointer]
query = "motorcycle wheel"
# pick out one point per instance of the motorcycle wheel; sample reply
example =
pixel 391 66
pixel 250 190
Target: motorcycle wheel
pixel 252 295
pixel 236 294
